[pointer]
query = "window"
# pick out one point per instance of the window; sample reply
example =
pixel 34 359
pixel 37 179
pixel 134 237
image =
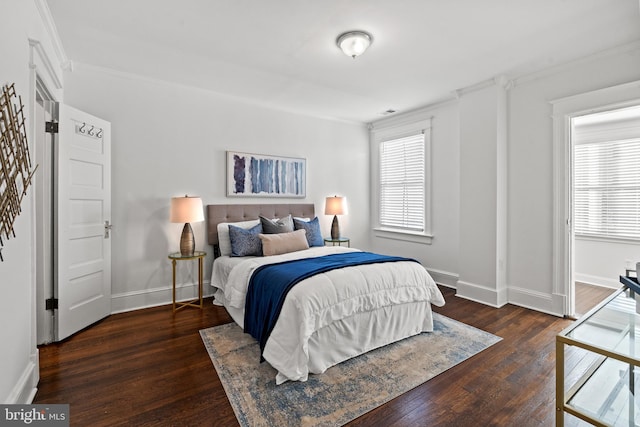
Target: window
pixel 607 174
pixel 400 162
pixel 402 182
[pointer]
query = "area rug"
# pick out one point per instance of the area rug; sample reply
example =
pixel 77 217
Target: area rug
pixel 343 392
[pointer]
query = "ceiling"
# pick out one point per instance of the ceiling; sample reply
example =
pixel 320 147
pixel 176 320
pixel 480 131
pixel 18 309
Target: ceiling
pixel 282 53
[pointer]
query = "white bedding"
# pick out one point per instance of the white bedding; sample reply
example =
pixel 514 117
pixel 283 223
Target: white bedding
pixel 335 315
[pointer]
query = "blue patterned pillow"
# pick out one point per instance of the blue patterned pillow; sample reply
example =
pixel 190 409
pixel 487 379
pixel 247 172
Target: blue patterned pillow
pixel 245 242
pixel 314 235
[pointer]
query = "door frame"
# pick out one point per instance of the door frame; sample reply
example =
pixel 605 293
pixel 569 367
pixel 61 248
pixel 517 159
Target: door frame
pixel 45 269
pixel 43 75
pixel 564 110
pixel 46 83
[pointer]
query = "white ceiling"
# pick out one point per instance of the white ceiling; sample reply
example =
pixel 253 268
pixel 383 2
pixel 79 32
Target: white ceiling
pixel 282 53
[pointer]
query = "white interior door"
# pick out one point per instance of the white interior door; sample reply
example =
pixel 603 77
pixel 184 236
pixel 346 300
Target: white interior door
pixel 82 226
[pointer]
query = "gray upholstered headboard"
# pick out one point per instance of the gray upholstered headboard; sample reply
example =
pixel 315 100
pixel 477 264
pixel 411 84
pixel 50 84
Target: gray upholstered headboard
pixel 234 213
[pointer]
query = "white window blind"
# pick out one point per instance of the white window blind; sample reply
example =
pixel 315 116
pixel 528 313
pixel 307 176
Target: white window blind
pixel 402 183
pixel 607 174
pixel 607 189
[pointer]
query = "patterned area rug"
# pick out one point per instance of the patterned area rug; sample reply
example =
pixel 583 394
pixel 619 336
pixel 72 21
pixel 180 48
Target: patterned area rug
pixel 343 392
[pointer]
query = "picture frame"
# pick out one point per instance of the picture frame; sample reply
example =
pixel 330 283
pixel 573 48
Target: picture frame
pixel 262 175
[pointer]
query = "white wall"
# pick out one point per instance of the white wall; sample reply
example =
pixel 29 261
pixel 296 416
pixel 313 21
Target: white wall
pixel 492 182
pixel 602 262
pixel 18 354
pixel 168 140
pixel 530 194
pixel 483 148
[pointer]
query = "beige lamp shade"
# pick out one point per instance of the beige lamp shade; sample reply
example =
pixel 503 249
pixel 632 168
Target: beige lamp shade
pixel 335 206
pixel 186 209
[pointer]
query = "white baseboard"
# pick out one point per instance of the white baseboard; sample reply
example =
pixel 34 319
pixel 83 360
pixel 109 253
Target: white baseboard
pixel 478 293
pixel 538 301
pixel 153 297
pixel 25 389
pixel 550 304
pixel 444 278
pixel 589 279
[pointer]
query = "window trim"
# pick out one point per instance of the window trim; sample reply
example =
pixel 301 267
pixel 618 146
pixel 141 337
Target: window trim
pixel 606 239
pixel 394 130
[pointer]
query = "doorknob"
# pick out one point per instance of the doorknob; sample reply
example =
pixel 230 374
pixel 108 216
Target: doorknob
pixel 107 229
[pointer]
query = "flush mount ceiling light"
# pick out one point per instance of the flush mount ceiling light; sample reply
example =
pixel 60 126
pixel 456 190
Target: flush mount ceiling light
pixel 354 43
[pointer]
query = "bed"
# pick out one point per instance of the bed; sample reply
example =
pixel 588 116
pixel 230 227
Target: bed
pixel 326 318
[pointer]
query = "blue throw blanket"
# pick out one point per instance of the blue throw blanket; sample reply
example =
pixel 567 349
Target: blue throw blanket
pixel 270 284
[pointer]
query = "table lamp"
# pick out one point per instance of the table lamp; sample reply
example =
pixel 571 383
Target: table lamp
pixel 186 209
pixel 335 206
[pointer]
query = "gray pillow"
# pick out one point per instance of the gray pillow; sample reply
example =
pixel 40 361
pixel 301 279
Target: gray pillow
pixel 276 226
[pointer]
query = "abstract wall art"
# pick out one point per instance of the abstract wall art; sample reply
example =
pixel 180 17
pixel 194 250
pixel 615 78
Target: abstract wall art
pixel 16 170
pixel 259 175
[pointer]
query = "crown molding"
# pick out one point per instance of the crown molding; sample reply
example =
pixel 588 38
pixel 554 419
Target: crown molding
pixel 52 31
pixel 556 69
pixel 39 56
pixel 502 81
pixel 459 93
pixel 411 116
pixel 248 101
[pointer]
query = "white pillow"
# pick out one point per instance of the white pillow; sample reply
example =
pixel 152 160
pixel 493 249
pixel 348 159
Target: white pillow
pixel 224 241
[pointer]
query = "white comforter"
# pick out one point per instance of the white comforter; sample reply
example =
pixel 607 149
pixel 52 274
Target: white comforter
pixel 324 299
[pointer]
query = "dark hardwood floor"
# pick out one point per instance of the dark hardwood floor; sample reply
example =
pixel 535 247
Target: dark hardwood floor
pixel 149 367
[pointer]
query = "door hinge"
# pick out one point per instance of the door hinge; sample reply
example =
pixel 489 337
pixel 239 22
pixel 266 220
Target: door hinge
pixel 51 304
pixel 51 127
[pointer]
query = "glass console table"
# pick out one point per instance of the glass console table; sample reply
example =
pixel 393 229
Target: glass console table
pixel 597 363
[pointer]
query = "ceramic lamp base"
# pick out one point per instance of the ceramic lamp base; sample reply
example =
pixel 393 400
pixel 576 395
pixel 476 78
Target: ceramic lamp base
pixel 335 228
pixel 187 241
